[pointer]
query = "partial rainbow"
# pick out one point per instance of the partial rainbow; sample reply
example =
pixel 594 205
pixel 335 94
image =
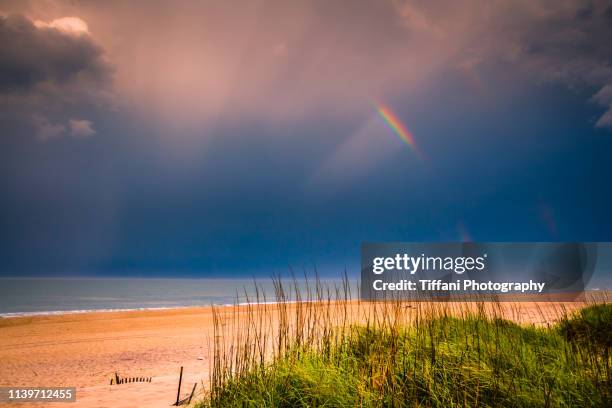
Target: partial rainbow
pixel 396 125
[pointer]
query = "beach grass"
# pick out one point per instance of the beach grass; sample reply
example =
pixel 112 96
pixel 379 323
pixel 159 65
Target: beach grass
pixel 320 350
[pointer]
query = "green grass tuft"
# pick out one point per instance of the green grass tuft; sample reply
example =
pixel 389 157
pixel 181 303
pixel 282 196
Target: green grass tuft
pixel 453 362
pixel 592 326
pixel 317 353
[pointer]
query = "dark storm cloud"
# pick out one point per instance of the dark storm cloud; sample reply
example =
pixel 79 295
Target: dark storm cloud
pixel 577 49
pixel 52 74
pixel 31 54
pixel 567 42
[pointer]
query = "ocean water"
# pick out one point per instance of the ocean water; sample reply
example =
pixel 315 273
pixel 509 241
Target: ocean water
pixel 31 296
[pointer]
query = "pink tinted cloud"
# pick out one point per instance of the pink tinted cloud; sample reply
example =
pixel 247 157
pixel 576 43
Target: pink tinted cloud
pixel 193 63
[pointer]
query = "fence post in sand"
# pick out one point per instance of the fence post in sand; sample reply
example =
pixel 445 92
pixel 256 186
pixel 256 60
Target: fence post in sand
pixel 192 391
pixel 116 378
pixel 178 393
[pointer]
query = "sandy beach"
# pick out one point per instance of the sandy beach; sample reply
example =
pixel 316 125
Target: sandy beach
pixel 85 350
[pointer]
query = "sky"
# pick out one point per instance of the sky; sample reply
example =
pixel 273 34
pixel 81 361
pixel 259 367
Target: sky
pixel 211 138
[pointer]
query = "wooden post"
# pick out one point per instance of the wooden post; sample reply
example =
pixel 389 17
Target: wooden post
pixel 178 393
pixel 116 378
pixel 192 391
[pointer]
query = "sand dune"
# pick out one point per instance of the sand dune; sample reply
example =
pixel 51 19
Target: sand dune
pixel 85 350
